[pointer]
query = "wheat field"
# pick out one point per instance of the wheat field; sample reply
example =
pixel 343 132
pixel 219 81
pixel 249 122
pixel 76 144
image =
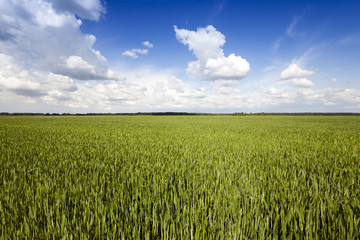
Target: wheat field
pixel 180 177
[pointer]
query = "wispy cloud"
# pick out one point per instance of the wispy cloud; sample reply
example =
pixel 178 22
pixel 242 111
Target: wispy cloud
pixel 268 68
pixel 217 9
pixel 276 44
pixel 290 31
pixel 306 56
pixel 350 39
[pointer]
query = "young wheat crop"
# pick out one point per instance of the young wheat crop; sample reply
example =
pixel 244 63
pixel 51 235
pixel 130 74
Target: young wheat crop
pixel 179 177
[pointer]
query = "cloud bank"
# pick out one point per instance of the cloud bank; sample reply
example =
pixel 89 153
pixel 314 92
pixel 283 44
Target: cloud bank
pixel 153 90
pixel 212 64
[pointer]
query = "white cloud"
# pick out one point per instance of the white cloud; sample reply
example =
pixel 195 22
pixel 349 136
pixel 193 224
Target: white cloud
pixel 148 44
pixel 297 76
pixel 294 71
pixel 76 62
pixel 130 54
pixel 290 30
pixel 44 54
pixel 268 68
pixel 141 51
pixel 224 86
pixel 15 78
pixel 231 67
pixel 143 90
pixel 212 64
pixel 333 80
pixel 347 98
pixel 275 46
pixel 275 92
pixel 48 34
pixel 306 99
pixel 89 9
pixel 352 39
pixel 133 52
pixel 78 68
pixel 205 42
pixel 268 96
pixel 217 8
pixel 302 82
pixel 154 90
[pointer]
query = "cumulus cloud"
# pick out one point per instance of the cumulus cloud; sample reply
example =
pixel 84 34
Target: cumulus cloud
pixel 302 82
pixel 205 42
pixel 153 90
pixel 274 91
pixel 297 76
pixel 148 44
pixel 347 98
pixel 76 62
pixel 142 90
pixel 332 80
pixel 224 86
pixel 46 34
pixel 294 71
pixel 133 53
pixel 89 9
pixel 44 54
pixel 15 78
pixel 212 64
pixel 273 96
pixel 328 99
pixel 76 67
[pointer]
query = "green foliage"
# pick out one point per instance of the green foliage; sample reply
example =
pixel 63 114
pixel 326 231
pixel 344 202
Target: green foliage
pixel 179 177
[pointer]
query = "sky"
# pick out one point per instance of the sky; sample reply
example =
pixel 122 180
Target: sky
pixel 216 56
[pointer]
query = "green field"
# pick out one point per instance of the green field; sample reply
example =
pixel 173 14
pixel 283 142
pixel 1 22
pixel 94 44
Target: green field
pixel 180 177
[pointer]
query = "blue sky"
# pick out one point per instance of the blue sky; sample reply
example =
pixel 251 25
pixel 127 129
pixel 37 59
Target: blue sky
pixel 197 56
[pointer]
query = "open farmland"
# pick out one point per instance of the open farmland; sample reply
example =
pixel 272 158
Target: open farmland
pixel 180 177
